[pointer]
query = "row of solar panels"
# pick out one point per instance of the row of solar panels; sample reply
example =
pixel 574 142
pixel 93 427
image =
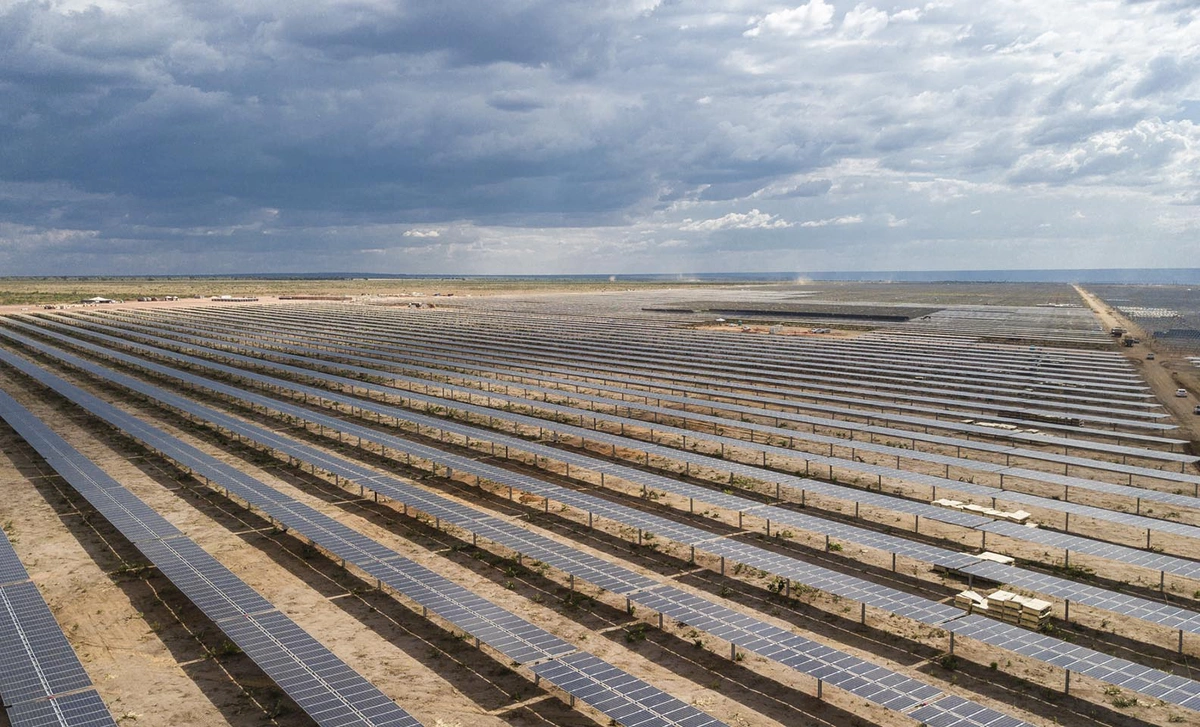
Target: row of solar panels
pixel 1179 617
pixel 571 321
pixel 308 353
pixel 879 685
pixel 312 340
pixel 504 345
pixel 1016 322
pixel 1178 691
pixel 510 348
pixel 42 682
pixel 737 354
pixel 786 355
pixel 1068 363
pixel 830 355
pixel 1134 520
pixel 931 354
pixel 320 683
pixel 597 370
pixel 1124 554
pixel 631 308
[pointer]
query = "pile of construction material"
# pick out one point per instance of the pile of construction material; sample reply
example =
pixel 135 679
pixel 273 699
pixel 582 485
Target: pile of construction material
pixel 985 555
pixel 1019 517
pixel 1032 613
pixel 971 602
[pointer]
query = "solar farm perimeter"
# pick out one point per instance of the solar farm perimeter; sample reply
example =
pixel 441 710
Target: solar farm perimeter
pixel 643 508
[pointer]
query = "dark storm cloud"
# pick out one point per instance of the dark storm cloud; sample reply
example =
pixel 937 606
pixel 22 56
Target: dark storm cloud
pixel 526 133
pixel 569 35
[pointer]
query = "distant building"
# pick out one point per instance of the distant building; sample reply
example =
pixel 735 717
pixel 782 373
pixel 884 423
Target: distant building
pixel 97 300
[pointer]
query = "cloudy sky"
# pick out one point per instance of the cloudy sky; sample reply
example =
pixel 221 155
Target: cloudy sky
pixel 597 136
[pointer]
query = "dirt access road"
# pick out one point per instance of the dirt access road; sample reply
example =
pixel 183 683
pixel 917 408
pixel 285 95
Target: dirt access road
pixel 1163 374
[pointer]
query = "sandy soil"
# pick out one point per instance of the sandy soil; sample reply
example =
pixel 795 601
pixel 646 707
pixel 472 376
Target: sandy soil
pixel 783 330
pixel 1163 374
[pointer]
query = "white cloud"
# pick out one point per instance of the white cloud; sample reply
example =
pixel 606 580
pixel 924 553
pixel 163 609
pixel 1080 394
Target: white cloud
pixel 752 220
pixel 1145 153
pixel 422 233
pixel 844 220
pixel 808 19
pixel 864 21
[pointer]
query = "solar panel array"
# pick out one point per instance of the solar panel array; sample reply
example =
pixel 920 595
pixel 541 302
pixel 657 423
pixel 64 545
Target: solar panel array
pixel 1073 543
pixel 555 659
pixel 868 593
pixel 646 350
pixel 933 513
pixel 42 682
pixel 930 512
pixel 320 683
pixel 513 345
pixel 791 434
pixel 37 665
pixel 1111 669
pixel 347 353
pixel 597 370
pixel 1021 473
pixel 670 529
pixel 1124 604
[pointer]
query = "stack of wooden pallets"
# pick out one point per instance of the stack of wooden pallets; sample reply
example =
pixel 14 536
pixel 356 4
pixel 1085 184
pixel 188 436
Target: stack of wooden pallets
pixel 1032 613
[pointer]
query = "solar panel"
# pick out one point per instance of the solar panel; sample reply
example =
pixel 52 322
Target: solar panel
pixel 11 569
pixel 341 540
pixel 80 709
pixel 136 521
pixel 36 661
pixel 1114 670
pixel 510 635
pixel 208 584
pixel 323 686
pixel 627 699
pixel 1109 551
pixel 1121 603
pixel 877 684
pixel 954 711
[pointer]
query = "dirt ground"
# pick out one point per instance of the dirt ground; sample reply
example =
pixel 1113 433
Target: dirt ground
pixel 1168 372
pixel 35 292
pixel 782 330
